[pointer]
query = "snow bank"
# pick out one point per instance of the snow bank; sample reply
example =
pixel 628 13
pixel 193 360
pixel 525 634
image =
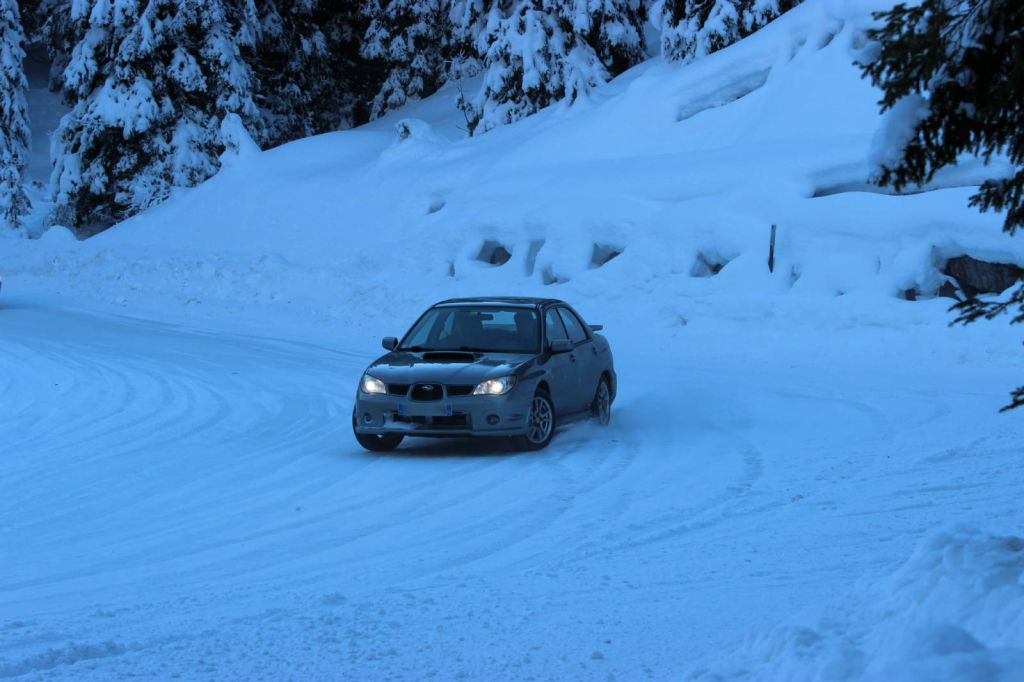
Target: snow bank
pixel 668 166
pixel 953 612
pixel 677 171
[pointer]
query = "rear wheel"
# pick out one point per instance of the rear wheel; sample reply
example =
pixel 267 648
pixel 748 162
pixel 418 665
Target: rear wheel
pixel 540 423
pixel 373 442
pixel 601 408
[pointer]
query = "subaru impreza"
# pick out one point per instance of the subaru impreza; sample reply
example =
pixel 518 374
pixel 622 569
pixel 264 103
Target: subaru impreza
pixel 502 367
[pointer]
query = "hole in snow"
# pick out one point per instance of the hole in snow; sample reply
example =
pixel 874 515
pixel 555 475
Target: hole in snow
pixel 949 289
pixel 976 276
pixel 964 276
pixel 603 253
pixel 551 278
pixel 494 253
pixel 437 202
pixel 531 255
pixel 826 39
pixel 796 46
pixel 708 264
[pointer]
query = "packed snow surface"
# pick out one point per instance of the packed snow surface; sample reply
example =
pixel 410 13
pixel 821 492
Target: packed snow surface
pixel 806 476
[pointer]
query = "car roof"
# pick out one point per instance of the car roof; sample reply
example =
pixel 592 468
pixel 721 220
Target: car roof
pixel 523 301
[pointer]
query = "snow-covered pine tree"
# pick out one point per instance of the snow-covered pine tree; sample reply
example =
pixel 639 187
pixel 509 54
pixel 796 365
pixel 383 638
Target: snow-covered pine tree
pixel 412 40
pixel 691 29
pixel 613 28
pixel 152 83
pixel 952 81
pixel 758 13
pixel 534 58
pixel 475 24
pixel 14 129
pixel 54 26
pixel 311 77
pixel 468 20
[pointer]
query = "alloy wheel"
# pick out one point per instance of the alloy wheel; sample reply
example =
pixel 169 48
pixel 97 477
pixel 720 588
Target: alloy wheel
pixel 541 420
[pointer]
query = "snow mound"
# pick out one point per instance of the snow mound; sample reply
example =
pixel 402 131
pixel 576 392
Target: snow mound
pixel 953 612
pixel 676 171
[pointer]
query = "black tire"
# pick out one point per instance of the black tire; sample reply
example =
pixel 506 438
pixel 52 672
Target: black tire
pixel 541 422
pixel 601 408
pixel 377 443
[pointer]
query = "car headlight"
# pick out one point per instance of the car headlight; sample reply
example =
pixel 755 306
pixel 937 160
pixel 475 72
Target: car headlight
pixel 499 386
pixel 372 385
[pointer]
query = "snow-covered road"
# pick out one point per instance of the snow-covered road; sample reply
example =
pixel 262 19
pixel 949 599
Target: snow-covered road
pixel 183 502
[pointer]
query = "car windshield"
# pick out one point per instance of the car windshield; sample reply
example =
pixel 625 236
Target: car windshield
pixel 491 329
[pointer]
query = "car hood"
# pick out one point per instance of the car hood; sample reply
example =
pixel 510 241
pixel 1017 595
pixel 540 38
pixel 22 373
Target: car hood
pixel 402 367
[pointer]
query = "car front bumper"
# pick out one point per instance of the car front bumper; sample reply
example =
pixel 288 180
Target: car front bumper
pixel 472 415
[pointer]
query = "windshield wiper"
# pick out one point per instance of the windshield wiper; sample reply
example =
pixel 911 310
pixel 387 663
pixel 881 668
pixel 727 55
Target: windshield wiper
pixel 416 349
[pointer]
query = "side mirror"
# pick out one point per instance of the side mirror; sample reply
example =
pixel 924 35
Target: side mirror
pixel 389 343
pixel 560 345
pixel 596 327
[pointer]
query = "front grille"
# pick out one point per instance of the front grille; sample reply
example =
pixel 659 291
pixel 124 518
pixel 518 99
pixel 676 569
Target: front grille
pixel 454 421
pixel 458 389
pixel 398 389
pixel 426 392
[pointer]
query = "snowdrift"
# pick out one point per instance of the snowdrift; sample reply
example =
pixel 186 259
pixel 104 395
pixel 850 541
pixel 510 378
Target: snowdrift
pixel 666 176
pixel 954 612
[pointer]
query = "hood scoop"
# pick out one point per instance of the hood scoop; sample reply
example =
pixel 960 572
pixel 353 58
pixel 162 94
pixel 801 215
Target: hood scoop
pixel 448 356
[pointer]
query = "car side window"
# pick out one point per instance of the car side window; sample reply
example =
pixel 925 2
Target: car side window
pixel 573 326
pixel 556 330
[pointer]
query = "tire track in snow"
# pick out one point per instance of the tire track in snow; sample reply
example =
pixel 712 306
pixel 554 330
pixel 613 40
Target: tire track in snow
pixel 742 496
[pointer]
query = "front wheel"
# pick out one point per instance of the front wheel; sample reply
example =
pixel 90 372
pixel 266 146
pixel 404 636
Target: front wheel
pixel 601 408
pixel 540 423
pixel 385 442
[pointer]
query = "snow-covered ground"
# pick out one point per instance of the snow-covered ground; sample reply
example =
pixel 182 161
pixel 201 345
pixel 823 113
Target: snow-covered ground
pixel 192 503
pixel 806 476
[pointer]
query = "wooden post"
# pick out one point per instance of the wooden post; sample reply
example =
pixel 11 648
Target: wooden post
pixel 771 252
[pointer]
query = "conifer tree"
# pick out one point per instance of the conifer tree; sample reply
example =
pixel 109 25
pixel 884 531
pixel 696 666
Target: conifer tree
pixel 952 74
pixel 613 28
pixel 152 82
pixel 412 40
pixel 310 75
pixel 546 51
pixel 14 129
pixel 472 23
pixel 54 26
pixel 695 28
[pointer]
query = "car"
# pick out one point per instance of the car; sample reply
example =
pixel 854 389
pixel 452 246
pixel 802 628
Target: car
pixel 508 367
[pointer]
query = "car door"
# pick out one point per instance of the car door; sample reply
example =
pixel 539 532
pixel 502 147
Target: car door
pixel 560 366
pixel 584 359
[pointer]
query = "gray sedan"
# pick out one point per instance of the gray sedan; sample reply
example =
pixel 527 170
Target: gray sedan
pixel 513 367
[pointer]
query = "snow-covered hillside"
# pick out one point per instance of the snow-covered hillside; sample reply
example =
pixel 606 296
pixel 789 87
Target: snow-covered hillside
pixel 774 499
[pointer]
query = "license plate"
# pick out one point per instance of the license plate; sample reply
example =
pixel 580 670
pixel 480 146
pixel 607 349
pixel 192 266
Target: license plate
pixel 424 410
